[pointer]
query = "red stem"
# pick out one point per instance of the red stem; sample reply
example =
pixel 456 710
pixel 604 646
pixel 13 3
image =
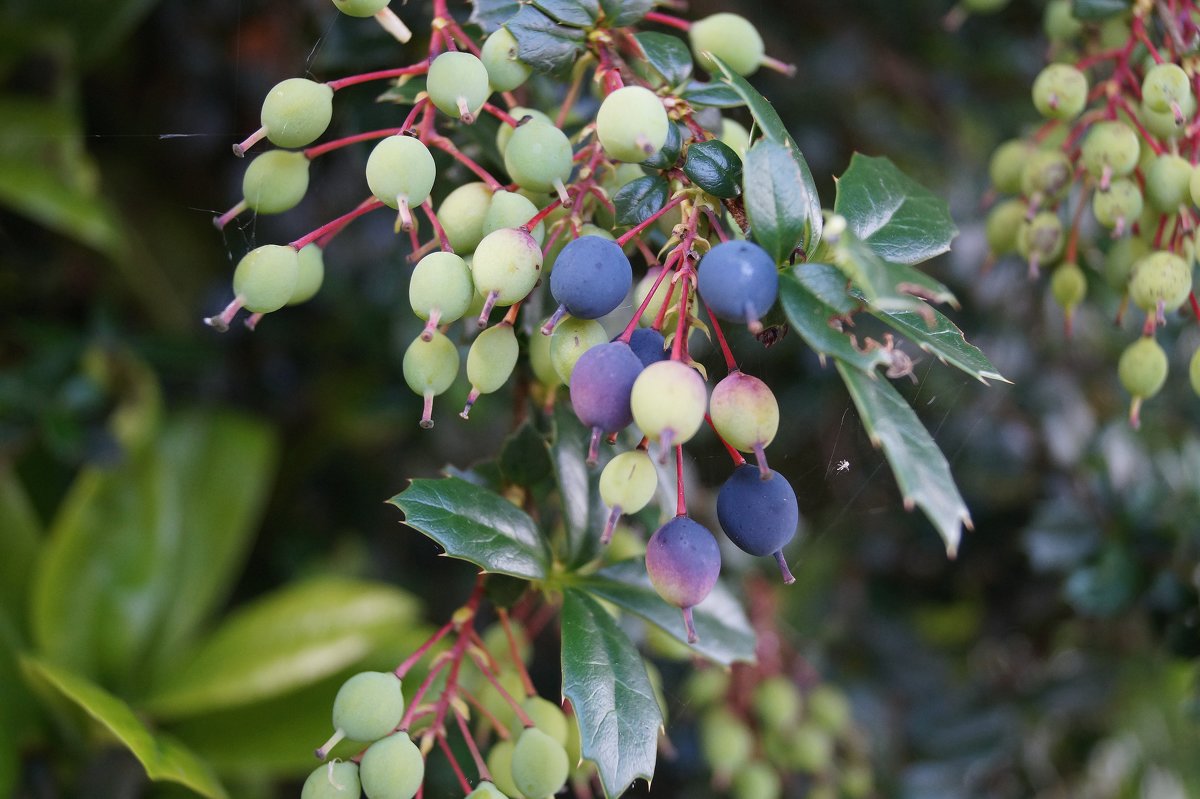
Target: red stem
pixel 540 215
pixel 641 309
pixel 515 652
pixel 681 329
pixel 501 114
pixel 447 146
pixel 629 234
pixel 738 459
pixel 680 504
pixel 480 765
pixel 463 782
pixel 320 149
pixel 416 656
pixel 363 208
pixel 513 703
pixel 730 363
pixel 668 20
pixel 438 231
pixel 383 74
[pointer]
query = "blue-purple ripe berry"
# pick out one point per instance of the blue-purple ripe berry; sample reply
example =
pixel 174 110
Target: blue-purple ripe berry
pixel 600 387
pixel 738 281
pixel 649 345
pixel 759 516
pixel 683 561
pixel 591 277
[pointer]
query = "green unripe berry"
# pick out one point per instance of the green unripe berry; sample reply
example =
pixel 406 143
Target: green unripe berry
pixel 297 111
pixel 309 275
pixel 570 340
pixel 757 780
pixel 1007 163
pixel 744 412
pixel 486 790
pixel 547 717
pixel 360 8
pixel 462 213
pixel 1060 92
pixel 1168 183
pixel 777 703
pixel 498 706
pixel 1059 23
pixel 540 362
pixel 1165 87
pixel 1040 240
pixel 441 288
pixel 706 686
pixel 1004 221
pixel 856 781
pixel 1068 284
pixel 400 172
pixel 734 134
pixel 266 277
pixel 810 749
pixel 1119 206
pixel 368 706
pixel 1047 174
pixel 337 780
pixel 726 741
pixel 458 85
pixel 499 763
pixel 539 764
pixel 668 402
pixel 506 265
pixel 828 708
pixel 275 181
pixel 505 131
pixel 538 157
pixel 429 369
pixel 490 361
pixel 642 289
pixel 1165 124
pixel 1142 368
pixel 731 38
pixel 1119 261
pixel 632 124
pixel 509 209
pixel 1160 277
pixel 500 57
pixel 392 768
pixel 1111 145
pixel 629 481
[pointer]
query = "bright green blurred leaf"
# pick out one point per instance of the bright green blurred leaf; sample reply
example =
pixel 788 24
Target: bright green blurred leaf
pixel 163 758
pixel 606 681
pixel 19 544
pixel 475 525
pixel 284 641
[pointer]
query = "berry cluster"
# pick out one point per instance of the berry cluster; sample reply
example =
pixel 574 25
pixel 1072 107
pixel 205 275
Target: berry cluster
pixel 1121 137
pixel 493 241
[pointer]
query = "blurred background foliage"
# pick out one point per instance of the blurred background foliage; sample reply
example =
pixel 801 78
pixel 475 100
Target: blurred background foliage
pixel 1057 656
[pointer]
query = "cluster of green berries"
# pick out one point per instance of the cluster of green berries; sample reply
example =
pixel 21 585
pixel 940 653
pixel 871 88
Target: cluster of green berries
pixel 1120 139
pixel 761 735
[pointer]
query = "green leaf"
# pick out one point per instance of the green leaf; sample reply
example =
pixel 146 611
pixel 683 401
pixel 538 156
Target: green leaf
pixel 543 43
pixel 621 13
pixel 1091 10
pixel 911 280
pixel 403 92
pixel 774 130
pixel 640 199
pixel 578 487
pixel 715 167
pixel 668 154
pixel 606 681
pixel 874 277
pixel 777 199
pixel 668 55
pixel 476 525
pixel 899 218
pixel 712 95
pixel 943 340
pixel 20 543
pixel 139 555
pixel 286 640
pixel 163 758
pixel 812 296
pixel 725 633
pixel 920 467
pixel 491 14
pixel 569 12
pixel 523 458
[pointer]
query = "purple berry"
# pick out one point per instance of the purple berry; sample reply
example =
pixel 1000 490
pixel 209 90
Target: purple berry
pixel 591 277
pixel 738 281
pixel 649 345
pixel 759 516
pixel 683 561
pixel 600 387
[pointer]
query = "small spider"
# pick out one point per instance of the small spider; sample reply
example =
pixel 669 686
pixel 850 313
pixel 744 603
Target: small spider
pixel 843 466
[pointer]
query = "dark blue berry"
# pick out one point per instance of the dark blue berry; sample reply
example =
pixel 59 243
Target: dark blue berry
pixel 759 516
pixel 738 281
pixel 591 277
pixel 649 345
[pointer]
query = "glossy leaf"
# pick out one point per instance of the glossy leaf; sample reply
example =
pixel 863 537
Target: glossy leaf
pixel 1091 10
pixel 523 457
pixel 668 154
pixel 570 12
pixel 944 341
pixel 725 633
pixel 606 681
pixel 715 167
pixel 813 296
pixel 712 95
pixel 668 55
pixel 286 640
pixel 899 218
pixel 139 555
pixel 491 14
pixel 920 467
pixel 619 13
pixel 640 199
pixel 910 280
pixel 769 122
pixel 874 277
pixel 543 43
pixel 578 487
pixel 163 758
pixel 777 200
pixel 476 525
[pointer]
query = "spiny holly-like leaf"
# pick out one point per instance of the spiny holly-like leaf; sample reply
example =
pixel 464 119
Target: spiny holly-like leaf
pixel 543 43
pixel 813 295
pixel 715 167
pixel 920 467
pixel 620 13
pixel 769 122
pixel 606 681
pixel 163 758
pixel 911 280
pixel 640 199
pixel 491 14
pixel 523 457
pixel 725 633
pixel 777 199
pixel 899 218
pixel 874 277
pixel 668 55
pixel 284 641
pixel 944 340
pixel 476 525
